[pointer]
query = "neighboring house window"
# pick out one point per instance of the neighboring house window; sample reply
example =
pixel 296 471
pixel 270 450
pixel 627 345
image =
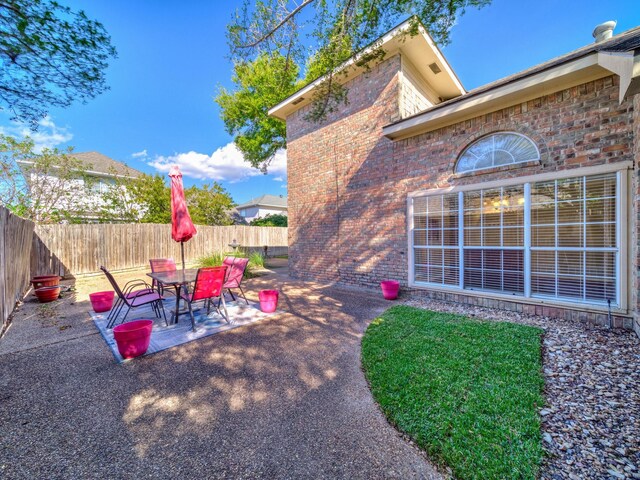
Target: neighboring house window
pixel 496 150
pixel 557 239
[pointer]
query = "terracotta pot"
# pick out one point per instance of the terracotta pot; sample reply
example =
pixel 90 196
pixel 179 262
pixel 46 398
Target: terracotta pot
pixel 133 337
pixel 101 301
pixel 47 294
pixel 45 281
pixel 390 289
pixel 268 300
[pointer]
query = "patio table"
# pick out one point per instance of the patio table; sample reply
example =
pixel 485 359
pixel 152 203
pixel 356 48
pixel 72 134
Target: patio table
pixel 177 279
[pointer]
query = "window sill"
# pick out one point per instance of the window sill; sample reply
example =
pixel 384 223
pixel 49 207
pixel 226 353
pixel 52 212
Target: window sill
pixel 585 307
pixel 502 168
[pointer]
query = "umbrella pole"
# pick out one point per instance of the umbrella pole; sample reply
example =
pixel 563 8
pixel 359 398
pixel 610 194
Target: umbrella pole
pixel 182 252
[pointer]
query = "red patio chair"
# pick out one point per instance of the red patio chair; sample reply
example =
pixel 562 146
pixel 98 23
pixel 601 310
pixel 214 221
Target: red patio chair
pixel 235 273
pixel 161 265
pixel 208 285
pixel 133 298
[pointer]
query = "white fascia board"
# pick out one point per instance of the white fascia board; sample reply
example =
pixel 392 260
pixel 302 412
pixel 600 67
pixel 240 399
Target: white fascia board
pixel 276 110
pixel 283 109
pixel 622 64
pixel 557 78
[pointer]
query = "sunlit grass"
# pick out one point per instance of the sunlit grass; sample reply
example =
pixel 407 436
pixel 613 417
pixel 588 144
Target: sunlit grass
pixel 467 391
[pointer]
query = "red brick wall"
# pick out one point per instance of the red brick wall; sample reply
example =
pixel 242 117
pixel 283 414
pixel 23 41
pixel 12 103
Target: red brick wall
pixel 348 184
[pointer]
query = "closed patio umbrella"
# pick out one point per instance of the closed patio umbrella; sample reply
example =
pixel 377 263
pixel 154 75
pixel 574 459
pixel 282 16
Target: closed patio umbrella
pixel 182 228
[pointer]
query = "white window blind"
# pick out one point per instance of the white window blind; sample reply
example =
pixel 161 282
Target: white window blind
pixel 435 239
pixel 553 239
pixel 494 239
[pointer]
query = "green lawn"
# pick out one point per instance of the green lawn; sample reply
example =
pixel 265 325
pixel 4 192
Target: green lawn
pixel 466 391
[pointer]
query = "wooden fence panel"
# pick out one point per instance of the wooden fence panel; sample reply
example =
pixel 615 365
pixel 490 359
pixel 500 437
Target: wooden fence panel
pixel 81 249
pixel 15 250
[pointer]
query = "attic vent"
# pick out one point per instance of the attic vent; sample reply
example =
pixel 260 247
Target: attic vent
pixel 604 31
pixel 296 102
pixel 435 68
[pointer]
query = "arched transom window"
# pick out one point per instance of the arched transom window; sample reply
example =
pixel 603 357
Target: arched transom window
pixel 496 150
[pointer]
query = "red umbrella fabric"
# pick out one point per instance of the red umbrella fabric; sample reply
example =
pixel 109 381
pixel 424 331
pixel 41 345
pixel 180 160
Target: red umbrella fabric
pixel 182 228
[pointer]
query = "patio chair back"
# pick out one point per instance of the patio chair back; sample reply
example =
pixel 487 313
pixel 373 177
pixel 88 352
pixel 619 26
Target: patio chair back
pixel 162 265
pixel 235 271
pixel 209 281
pixel 114 284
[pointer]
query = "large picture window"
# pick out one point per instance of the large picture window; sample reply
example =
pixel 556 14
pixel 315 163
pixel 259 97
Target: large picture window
pixel 556 239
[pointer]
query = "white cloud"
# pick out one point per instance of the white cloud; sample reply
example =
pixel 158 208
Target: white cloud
pixel 141 154
pixel 48 135
pixel 225 164
pixel 278 179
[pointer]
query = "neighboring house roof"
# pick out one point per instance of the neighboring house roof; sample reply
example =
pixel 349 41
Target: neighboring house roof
pixel 96 163
pixel 99 163
pixel 596 60
pixel 265 201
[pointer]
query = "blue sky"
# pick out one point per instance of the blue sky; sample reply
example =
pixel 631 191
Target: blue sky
pixel 172 59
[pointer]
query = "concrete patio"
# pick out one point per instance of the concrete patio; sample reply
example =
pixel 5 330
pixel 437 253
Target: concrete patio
pixel 281 398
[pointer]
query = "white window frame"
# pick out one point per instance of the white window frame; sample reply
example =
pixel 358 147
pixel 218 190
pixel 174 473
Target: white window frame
pixel 622 231
pixel 492 136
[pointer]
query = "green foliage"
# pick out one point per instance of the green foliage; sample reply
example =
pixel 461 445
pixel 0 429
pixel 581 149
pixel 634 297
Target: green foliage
pixel 466 391
pixel 260 84
pixel 271 220
pixel 144 199
pixel 46 187
pixel 50 56
pixel 265 41
pixel 209 204
pixel 147 199
pixel 256 260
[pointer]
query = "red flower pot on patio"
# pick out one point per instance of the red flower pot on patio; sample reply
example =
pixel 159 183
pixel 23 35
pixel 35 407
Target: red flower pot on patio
pixel 45 281
pixel 133 337
pixel 101 301
pixel 390 289
pixel 268 300
pixel 47 294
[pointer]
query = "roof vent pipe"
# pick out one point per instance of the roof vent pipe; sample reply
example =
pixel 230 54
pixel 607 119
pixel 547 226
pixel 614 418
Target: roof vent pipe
pixel 604 31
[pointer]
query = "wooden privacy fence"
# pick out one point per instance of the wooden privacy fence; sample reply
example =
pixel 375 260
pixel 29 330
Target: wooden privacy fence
pixel 15 246
pixel 81 249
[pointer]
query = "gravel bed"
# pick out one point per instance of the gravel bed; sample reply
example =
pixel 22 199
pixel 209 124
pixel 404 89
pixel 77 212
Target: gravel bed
pixel 591 423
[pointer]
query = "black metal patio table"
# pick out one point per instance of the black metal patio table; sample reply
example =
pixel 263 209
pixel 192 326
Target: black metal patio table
pixel 177 279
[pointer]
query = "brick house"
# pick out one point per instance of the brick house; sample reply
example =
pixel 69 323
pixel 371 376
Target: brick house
pixel 521 194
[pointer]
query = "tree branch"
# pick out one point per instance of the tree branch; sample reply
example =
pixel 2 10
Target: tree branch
pixel 272 31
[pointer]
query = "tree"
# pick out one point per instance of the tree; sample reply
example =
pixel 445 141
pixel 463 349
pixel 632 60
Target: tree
pixel 260 84
pixel 271 220
pixel 47 187
pixel 143 199
pixel 49 57
pixel 209 204
pixel 147 199
pixel 266 33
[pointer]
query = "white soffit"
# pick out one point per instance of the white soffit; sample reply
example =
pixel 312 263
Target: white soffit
pixel 419 49
pixel 563 76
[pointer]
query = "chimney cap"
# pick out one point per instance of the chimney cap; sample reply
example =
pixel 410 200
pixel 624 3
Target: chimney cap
pixel 604 31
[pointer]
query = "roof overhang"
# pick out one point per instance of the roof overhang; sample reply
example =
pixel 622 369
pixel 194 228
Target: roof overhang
pixel 419 49
pixel 87 172
pixel 576 72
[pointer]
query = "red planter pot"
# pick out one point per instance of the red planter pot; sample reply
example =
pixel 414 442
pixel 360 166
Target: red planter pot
pixel 47 294
pixel 268 300
pixel 390 289
pixel 101 301
pixel 133 337
pixel 45 281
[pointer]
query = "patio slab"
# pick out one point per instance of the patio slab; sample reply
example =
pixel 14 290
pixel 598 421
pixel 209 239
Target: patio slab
pixel 280 398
